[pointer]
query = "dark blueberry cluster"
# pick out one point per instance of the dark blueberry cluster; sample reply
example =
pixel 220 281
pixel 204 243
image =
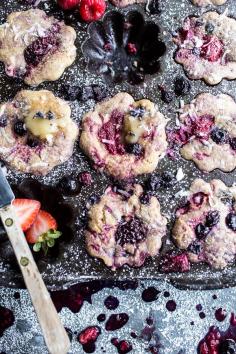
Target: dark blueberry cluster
pixel 131 231
pixel 219 136
pixel 166 96
pixel 74 92
pixel 182 86
pixel 212 219
pixel 195 247
pixel 19 128
pixel 145 198
pixel 33 143
pixel 39 115
pixel 231 221
pixel 137 112
pixel 163 180
pixel 209 28
pixel 135 149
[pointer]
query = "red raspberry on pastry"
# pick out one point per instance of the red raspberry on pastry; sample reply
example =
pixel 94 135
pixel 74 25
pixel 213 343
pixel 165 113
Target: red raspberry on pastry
pixel 92 10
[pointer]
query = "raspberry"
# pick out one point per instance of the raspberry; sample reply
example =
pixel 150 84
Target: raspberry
pixel 212 48
pixel 68 4
pixel 89 335
pixel 175 263
pixel 92 10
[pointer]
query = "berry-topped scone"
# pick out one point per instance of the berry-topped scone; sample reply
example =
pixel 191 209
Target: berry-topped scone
pixel 208 2
pixel 206 225
pixel 207 47
pixel 123 137
pixel 36 47
pixel 207 132
pixel 125 227
pixel 36 132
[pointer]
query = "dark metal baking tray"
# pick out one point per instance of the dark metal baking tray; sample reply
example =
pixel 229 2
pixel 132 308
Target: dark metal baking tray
pixel 70 263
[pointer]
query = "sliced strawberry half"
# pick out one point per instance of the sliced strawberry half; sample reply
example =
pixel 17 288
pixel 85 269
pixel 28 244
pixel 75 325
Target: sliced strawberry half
pixel 27 211
pixel 44 222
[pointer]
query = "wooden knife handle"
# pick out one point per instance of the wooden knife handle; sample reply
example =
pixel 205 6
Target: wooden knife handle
pixel 54 333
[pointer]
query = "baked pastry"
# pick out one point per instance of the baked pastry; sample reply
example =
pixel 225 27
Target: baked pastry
pixel 125 227
pixel 207 47
pixel 206 225
pixel 123 137
pixel 36 132
pixel 36 47
pixel 208 2
pixel 124 3
pixel 207 132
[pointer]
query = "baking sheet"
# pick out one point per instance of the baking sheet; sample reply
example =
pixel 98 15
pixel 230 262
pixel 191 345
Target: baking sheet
pixel 71 263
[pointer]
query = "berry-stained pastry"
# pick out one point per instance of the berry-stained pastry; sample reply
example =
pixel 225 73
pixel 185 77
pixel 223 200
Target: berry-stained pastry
pixel 207 132
pixel 36 132
pixel 208 2
pixel 207 47
pixel 206 225
pixel 124 137
pixel 36 47
pixel 125 227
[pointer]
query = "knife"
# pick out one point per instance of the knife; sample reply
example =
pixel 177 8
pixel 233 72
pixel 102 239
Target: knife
pixel 54 333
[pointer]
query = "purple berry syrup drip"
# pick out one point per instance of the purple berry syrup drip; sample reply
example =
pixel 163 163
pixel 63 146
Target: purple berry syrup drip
pixel 219 342
pixel 6 319
pixel 131 231
pixel 42 46
pixel 110 134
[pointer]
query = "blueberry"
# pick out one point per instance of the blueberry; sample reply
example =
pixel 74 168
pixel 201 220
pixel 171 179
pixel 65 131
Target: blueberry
pixel 137 112
pixel 182 86
pixel 219 136
pixel 199 22
pixel 166 96
pixel 212 218
pixel 194 247
pixel 69 185
pixel 135 149
pixel 145 198
pixel 39 115
pixel 196 51
pixel 19 128
pixel 93 199
pixel 153 7
pixel 50 115
pixel 227 346
pixel 201 231
pixel 154 182
pixel 100 92
pixel 86 93
pixel 167 179
pixel 232 143
pixel 209 27
pixel 70 92
pixel 32 143
pixel 3 121
pixel 231 221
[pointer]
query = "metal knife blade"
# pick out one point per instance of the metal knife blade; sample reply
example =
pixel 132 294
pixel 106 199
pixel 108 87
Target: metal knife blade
pixel 6 194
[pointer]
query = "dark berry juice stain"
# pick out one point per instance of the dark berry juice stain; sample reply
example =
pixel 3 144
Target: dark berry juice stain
pixel 150 294
pixel 123 346
pixel 199 307
pixel 116 321
pixel 101 317
pixel 166 294
pixel 219 342
pixel 149 321
pixel 128 48
pixel 214 297
pixel 16 295
pixel 171 305
pixel 111 302
pixel 88 337
pixel 74 297
pixel 220 314
pixel 202 315
pixel 6 319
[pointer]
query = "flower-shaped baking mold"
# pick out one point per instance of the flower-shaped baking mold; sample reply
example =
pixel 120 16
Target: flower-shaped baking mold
pixel 36 132
pixel 124 228
pixel 124 137
pixel 123 47
pixel 206 225
pixel 207 47
pixel 51 201
pixel 207 132
pixel 36 47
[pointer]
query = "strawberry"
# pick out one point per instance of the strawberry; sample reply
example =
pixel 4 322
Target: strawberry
pixel 92 10
pixel 68 4
pixel 27 211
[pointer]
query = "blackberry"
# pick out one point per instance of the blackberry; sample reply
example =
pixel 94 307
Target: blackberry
pixel 201 231
pixel 131 231
pixel 154 182
pixel 212 218
pixel 182 86
pixel 135 149
pixel 100 92
pixel 87 93
pixel 194 247
pixel 219 136
pixel 228 346
pixel 231 221
pixel 137 112
pixel 232 143
pixel 167 179
pixel 69 185
pixel 3 121
pixel 166 96
pixel 209 28
pixel 19 128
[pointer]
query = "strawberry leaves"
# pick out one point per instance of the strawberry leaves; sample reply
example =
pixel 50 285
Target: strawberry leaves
pixel 46 240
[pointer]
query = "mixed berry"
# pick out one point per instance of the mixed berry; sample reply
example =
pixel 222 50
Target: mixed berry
pixel 131 231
